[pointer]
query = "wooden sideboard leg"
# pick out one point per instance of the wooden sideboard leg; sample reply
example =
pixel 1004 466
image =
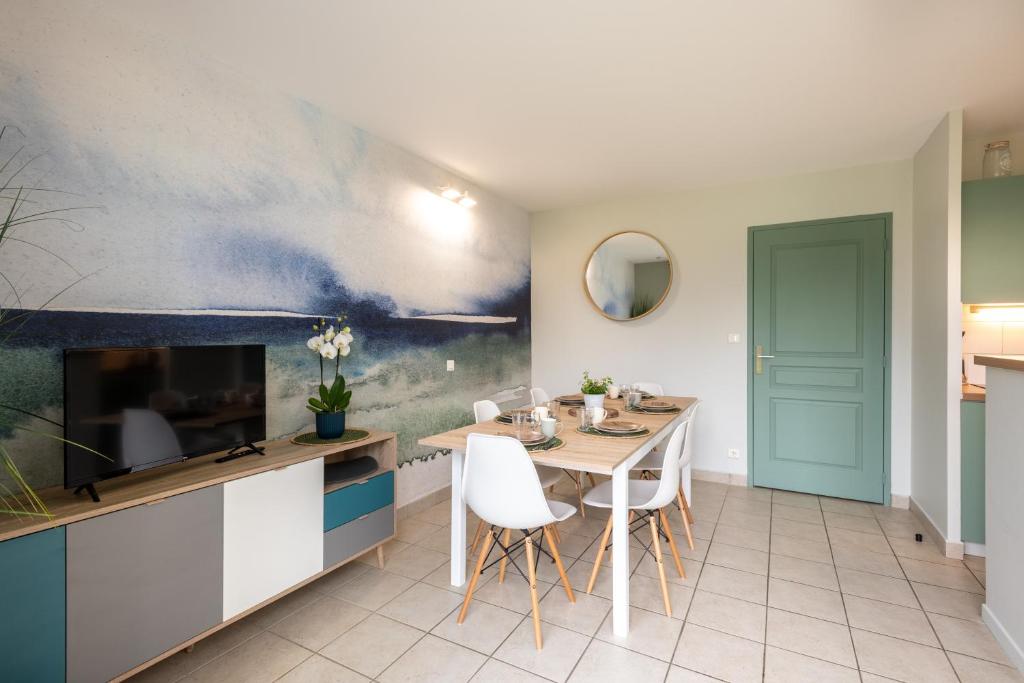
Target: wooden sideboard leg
pixel 380 556
pixel 190 648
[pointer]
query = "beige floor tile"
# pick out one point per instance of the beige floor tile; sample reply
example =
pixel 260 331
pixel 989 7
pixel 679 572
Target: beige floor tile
pixel 644 591
pixel 372 645
pixel 373 589
pixel 980 576
pixel 802 548
pixel 876 587
pixel 414 530
pixel 729 615
pixel 901 660
pixel 839 520
pixel 719 655
pixel 495 670
pixel 804 500
pixel 700 549
pixel 736 557
pixel 807 600
pixel 958 578
pixel 432 659
pixel 974 563
pixel 319 623
pixel 329 583
pixel 677 674
pixel 968 638
pixel 390 548
pixel 905 530
pixel 484 629
pixel 797 514
pixel 441 577
pixel 562 650
pixel 973 670
pixel 513 595
pixel 952 603
pixel 925 551
pixel 414 562
pixel 890 620
pixel 289 604
pixel 734 583
pixel 788 527
pixel 865 561
pixel 319 669
pixel 573 546
pixel 743 538
pixel 583 616
pixel 782 666
pixel 847 507
pixel 178 665
pixel 811 637
pixel 422 606
pixel 747 493
pixel 858 540
pixel 440 541
pixel 654 635
pixel 794 569
pixel 702 530
pixel 759 508
pixel 606 663
pixel 648 567
pixel 440 514
pixel 745 520
pixel 865 677
pixel 891 514
pixel 266 657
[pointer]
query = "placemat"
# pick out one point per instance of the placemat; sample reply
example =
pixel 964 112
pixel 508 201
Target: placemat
pixel 350 436
pixel 553 444
pixel 594 432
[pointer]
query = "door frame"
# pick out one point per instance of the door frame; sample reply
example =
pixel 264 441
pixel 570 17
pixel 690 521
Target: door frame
pixel 887 361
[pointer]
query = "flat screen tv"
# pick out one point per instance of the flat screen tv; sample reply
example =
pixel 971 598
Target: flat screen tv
pixel 145 407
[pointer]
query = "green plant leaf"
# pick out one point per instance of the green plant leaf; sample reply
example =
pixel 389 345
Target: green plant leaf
pixel 317 404
pixel 325 395
pixel 344 401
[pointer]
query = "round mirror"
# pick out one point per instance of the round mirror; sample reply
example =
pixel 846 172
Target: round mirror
pixel 628 275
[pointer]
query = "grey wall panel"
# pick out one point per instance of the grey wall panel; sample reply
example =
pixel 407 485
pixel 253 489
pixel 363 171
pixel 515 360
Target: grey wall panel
pixel 142 580
pixel 355 537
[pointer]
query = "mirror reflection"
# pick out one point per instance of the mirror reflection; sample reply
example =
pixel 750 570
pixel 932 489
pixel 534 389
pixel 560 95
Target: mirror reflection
pixel 628 275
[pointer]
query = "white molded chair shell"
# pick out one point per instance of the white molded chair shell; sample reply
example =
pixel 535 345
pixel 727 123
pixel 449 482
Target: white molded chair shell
pixel 500 484
pixel 485 410
pixel 646 494
pixel 652 388
pixel 652 461
pixel 538 396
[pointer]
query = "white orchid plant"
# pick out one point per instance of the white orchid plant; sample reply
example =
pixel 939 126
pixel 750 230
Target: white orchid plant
pixel 330 344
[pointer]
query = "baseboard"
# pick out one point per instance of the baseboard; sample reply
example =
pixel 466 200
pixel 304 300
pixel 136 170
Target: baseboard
pixel 424 502
pixel 976 549
pixel 1003 637
pixel 720 477
pixel 951 549
pixel 900 501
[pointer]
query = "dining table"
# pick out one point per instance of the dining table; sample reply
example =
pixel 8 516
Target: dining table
pixel 582 452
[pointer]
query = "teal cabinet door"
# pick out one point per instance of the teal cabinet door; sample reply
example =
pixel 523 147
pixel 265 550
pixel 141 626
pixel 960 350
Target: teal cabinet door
pixel 992 235
pixel 818 317
pixel 972 471
pixel 32 604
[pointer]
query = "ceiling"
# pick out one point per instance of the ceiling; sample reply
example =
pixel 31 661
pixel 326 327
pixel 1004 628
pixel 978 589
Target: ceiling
pixel 569 102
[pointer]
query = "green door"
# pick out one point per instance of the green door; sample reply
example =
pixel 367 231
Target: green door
pixel 818 394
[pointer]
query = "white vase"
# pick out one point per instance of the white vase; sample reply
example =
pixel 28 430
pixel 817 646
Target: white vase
pixel 593 400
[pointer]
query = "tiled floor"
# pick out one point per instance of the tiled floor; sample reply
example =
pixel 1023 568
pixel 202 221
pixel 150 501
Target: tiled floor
pixel 780 587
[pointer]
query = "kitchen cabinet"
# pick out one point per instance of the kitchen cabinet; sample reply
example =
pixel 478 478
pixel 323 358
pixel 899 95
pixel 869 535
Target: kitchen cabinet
pixel 992 234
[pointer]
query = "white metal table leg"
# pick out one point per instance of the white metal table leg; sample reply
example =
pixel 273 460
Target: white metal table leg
pixel 620 550
pixel 458 576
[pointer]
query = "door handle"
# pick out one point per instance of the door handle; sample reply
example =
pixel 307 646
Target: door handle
pixel 758 355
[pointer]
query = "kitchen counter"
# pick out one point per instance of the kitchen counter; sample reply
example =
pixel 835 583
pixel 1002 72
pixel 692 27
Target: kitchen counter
pixel 970 392
pixel 1004 362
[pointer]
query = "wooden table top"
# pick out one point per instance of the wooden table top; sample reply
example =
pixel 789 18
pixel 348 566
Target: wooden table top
pixel 158 483
pixel 582 452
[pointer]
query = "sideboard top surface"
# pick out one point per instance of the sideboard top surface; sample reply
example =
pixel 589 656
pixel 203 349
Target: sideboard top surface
pixel 140 488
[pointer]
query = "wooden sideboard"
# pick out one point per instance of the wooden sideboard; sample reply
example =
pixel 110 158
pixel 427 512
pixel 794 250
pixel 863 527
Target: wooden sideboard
pixel 171 555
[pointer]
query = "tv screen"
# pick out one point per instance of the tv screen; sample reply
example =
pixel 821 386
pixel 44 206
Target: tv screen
pixel 144 407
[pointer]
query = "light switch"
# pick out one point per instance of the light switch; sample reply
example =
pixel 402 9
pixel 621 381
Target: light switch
pixel 734 338
pixel 451 366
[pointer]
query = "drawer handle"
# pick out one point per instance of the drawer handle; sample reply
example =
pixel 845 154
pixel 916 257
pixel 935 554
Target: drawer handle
pixel 362 518
pixel 364 481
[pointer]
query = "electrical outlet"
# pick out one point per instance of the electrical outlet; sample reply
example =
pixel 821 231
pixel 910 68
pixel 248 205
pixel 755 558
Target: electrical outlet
pixel 734 338
pixel 451 366
pixel 734 453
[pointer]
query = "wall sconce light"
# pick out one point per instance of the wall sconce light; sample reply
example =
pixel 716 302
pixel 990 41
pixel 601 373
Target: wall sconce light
pixel 461 198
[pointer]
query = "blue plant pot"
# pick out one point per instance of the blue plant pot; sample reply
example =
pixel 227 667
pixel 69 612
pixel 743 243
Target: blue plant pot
pixel 330 425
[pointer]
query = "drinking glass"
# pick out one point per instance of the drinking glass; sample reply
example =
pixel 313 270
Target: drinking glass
pixel 633 399
pixel 586 416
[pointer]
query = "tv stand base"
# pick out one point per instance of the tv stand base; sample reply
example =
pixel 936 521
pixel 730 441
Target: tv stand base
pixel 241 452
pixel 91 490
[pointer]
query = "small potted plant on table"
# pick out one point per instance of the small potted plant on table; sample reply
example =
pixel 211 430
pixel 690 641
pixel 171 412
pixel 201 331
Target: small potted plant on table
pixel 594 390
pixel 330 403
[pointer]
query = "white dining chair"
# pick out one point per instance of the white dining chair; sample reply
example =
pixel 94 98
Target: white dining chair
pixel 652 388
pixel 500 485
pixel 484 411
pixel 647 501
pixel 651 463
pixel 539 396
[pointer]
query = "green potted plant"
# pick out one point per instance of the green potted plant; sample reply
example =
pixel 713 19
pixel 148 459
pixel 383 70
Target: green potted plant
pixel 594 390
pixel 330 403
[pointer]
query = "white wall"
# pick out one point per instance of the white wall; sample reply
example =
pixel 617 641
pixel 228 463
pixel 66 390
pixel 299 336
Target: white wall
pixel 683 344
pixel 935 462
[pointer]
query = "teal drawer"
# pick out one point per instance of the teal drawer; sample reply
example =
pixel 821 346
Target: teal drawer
pixel 356 500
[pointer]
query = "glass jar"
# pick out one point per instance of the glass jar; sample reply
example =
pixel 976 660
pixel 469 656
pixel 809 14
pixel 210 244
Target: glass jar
pixel 997 161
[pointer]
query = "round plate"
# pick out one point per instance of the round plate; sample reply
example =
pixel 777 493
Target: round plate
pixel 531 439
pixel 619 427
pixel 612 412
pixel 570 399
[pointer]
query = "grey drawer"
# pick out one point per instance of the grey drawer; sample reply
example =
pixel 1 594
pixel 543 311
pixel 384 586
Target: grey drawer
pixel 354 538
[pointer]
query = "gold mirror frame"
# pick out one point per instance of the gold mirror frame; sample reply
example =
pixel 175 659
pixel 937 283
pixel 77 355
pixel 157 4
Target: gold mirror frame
pixel 668 287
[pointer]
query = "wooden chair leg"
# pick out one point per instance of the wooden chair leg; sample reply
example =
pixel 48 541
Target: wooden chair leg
pixel 504 558
pixel 533 593
pixel 476 537
pixel 672 544
pixel 661 566
pixel 476 575
pixel 687 519
pixel 600 554
pixel 579 492
pixel 556 533
pixel 590 478
pixel 558 563
pixel 380 556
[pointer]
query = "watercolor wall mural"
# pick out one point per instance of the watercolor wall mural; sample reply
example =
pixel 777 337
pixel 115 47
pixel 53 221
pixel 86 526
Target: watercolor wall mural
pixel 228 214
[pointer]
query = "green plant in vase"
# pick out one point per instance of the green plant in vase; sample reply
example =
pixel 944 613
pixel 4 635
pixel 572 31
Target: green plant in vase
pixel 332 401
pixel 594 390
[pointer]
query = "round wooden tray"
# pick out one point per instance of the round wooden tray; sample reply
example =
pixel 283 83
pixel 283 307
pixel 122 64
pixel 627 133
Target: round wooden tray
pixel 350 436
pixel 600 435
